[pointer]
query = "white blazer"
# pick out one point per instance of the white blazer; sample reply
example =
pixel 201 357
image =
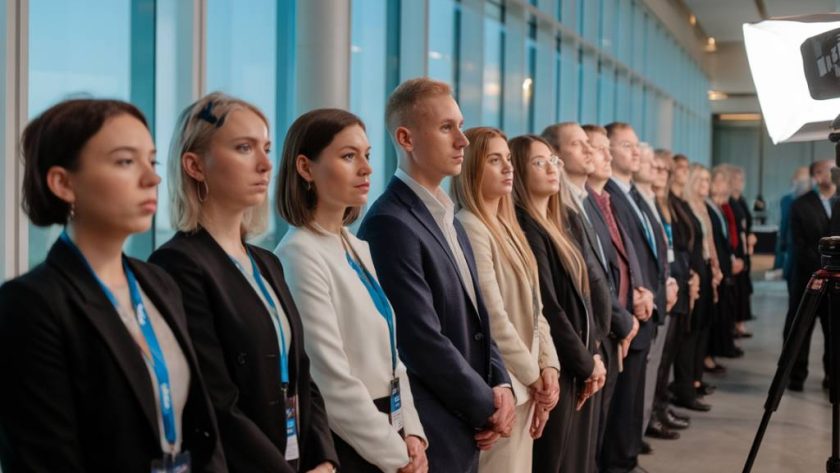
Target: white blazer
pixel 348 344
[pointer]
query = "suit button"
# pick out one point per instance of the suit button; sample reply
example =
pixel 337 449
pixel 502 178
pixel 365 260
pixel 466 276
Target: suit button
pixel 478 337
pixel 241 358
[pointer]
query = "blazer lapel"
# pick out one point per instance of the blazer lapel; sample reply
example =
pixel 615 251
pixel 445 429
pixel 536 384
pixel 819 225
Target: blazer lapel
pixel 104 317
pixel 421 213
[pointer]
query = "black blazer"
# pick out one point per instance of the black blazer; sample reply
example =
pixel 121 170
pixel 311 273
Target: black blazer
pixel 600 295
pixel 565 308
pixel 444 341
pixel 238 352
pixel 622 320
pixel 651 276
pixel 808 223
pixel 78 396
pixel 724 250
pixel 835 219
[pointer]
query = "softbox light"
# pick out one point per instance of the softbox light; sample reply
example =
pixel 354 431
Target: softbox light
pixel 795 64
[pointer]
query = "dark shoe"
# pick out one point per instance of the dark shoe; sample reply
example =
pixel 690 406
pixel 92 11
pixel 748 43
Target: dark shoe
pixel 673 423
pixel 797 386
pixel 717 369
pixel 692 404
pixel 705 389
pixel 672 413
pixel 734 353
pixel 646 449
pixel 658 430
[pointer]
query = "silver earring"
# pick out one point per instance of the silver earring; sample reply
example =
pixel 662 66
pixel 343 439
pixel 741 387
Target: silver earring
pixel 72 210
pixel 198 191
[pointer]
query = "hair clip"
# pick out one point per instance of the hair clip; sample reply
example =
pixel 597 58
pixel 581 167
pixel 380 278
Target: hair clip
pixel 206 114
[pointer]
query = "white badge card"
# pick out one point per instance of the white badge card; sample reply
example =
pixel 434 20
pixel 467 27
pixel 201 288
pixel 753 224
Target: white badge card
pixel 670 255
pixel 292 449
pixel 179 463
pixel 396 413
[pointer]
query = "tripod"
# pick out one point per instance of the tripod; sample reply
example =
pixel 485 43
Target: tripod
pixel 825 280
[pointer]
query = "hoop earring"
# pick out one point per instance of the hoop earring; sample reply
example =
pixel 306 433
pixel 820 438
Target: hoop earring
pixel 198 191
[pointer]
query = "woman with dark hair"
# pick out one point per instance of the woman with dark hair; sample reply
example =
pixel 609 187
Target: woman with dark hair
pixel 101 372
pixel 564 289
pixel 348 322
pixel 240 313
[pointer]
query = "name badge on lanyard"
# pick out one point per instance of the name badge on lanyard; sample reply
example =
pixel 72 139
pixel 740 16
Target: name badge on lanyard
pixel 377 294
pixel 291 417
pixel 171 462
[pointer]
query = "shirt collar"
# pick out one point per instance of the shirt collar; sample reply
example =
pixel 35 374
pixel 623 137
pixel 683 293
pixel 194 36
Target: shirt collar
pixel 624 186
pixel 438 203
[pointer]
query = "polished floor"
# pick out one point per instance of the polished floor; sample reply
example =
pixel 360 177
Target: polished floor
pixel 798 438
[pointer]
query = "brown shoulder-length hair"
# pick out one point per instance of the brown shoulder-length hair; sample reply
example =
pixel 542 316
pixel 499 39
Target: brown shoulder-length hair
pixel 466 192
pixel 308 136
pixel 555 220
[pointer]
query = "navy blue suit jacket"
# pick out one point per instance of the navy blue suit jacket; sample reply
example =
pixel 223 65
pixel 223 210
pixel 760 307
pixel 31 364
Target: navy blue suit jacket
pixel 444 340
pixel 652 277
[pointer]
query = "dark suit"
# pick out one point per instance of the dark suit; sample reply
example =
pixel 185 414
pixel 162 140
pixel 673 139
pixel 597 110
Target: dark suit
pixel 621 322
pixel 743 282
pixel 835 219
pixel 721 340
pixel 238 351
pixel 623 439
pixel 444 340
pixel 565 444
pixel 808 223
pixel 78 395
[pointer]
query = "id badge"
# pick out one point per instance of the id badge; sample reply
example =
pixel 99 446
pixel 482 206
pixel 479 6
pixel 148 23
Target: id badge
pixel 670 255
pixel 179 463
pixel 292 449
pixel 396 414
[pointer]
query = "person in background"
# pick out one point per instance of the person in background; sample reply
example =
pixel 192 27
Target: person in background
pixel 322 184
pixel 810 220
pixel 100 371
pixel 508 280
pixel 800 184
pixel 241 316
pixel 425 263
pixel 746 245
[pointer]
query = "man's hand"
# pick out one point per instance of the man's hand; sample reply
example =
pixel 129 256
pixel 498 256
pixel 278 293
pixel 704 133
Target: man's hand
pixel 625 343
pixel 737 265
pixel 486 438
pixel 418 463
pixel 502 420
pixel 594 383
pixel 751 241
pixel 672 290
pixel 642 303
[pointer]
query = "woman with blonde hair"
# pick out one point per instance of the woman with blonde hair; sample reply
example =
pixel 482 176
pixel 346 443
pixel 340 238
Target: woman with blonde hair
pixel 509 283
pixel 564 291
pixel 240 314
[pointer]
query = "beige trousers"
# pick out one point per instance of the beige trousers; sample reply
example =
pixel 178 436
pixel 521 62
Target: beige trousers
pixel 515 453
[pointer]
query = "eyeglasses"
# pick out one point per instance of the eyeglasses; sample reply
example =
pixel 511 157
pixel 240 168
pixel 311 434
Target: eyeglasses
pixel 541 162
pixel 628 146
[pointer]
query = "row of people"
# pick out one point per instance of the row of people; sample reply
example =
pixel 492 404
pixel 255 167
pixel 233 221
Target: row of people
pixel 507 328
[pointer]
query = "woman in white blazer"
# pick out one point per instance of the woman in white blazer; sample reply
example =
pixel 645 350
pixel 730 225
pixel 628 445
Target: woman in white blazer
pixel 349 328
pixel 507 276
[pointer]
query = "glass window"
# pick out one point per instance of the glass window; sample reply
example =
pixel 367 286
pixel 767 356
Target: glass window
pixel 368 83
pixel 494 34
pixel 569 80
pixel 77 50
pixel 242 61
pixel 442 34
pixel 606 94
pixel 588 112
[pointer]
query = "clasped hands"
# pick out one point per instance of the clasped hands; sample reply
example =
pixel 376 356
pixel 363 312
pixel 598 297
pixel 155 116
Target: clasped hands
pixel 500 424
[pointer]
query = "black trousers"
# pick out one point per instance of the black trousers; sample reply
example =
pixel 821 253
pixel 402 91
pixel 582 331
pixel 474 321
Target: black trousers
pixel 800 367
pixel 623 438
pixel 550 449
pixel 610 354
pixel 685 361
pixel 743 298
pixel 722 341
pixel 669 353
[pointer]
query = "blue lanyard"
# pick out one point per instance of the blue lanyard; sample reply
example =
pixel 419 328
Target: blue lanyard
pixel 669 233
pixel 275 319
pixel 381 303
pixel 157 360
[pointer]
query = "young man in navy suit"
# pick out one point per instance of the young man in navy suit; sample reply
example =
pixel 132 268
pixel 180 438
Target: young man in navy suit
pixel 425 264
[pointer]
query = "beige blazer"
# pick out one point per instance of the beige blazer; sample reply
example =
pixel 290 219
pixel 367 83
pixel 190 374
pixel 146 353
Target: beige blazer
pixel 519 329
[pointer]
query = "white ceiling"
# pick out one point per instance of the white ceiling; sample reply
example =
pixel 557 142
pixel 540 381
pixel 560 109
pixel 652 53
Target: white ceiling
pixel 722 19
